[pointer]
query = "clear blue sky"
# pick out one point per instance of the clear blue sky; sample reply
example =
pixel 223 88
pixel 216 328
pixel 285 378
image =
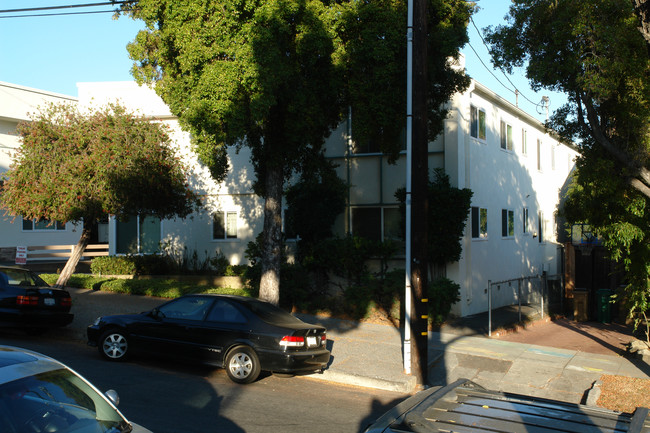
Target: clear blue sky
pixel 55 53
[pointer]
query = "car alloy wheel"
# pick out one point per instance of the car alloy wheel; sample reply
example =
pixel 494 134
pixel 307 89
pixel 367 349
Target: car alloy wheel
pixel 242 365
pixel 114 345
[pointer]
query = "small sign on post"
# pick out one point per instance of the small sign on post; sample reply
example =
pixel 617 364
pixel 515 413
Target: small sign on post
pixel 21 255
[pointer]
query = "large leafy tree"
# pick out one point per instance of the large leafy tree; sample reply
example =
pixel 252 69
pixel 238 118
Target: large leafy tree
pixel 81 167
pixel 596 51
pixel 375 55
pixel 250 73
pixel 277 75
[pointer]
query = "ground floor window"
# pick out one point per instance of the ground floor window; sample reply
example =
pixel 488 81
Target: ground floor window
pixel 138 235
pixel 377 223
pixel 224 225
pixel 42 224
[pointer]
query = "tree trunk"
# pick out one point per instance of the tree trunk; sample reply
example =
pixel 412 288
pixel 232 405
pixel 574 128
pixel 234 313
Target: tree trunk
pixel 75 256
pixel 272 238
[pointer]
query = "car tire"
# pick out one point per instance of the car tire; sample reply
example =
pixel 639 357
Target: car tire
pixel 114 345
pixel 242 365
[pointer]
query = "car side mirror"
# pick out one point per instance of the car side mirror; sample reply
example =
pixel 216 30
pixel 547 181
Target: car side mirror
pixel 156 314
pixel 111 394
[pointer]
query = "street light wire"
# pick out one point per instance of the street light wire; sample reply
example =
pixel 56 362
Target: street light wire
pixel 69 6
pixel 516 91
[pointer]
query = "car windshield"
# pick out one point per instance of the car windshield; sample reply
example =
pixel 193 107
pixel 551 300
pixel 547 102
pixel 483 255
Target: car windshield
pixel 270 313
pixel 20 277
pixel 56 401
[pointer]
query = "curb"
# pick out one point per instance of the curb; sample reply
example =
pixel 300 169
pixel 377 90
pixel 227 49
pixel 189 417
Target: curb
pixel 404 386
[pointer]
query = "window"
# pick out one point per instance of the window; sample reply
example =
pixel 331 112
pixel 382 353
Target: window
pixel 479 223
pixel 540 226
pixel 372 145
pixel 524 141
pixel 42 224
pixel 140 234
pixel 552 157
pixel 506 136
pixel 225 312
pixel 224 225
pixel 377 223
pixel 189 308
pixel 525 219
pixel 507 223
pixel 539 154
pixel 477 123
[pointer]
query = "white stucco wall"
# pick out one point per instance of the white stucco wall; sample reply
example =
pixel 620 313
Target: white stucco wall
pixel 503 179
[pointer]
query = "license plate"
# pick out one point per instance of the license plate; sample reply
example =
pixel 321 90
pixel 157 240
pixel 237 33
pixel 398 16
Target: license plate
pixel 49 301
pixel 312 342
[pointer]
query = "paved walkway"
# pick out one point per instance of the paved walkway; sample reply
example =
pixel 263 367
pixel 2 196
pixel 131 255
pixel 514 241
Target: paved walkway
pixel 370 355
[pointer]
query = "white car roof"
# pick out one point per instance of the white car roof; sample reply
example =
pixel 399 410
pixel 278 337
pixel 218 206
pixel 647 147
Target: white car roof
pixel 16 363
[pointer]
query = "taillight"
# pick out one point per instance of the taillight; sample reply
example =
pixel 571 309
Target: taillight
pixel 323 340
pixel 292 341
pixel 26 300
pixel 66 302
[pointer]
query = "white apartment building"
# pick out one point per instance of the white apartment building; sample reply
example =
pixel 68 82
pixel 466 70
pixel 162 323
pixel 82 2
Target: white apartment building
pixel 505 156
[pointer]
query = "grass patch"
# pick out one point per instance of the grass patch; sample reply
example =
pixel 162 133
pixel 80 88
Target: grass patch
pixel 162 288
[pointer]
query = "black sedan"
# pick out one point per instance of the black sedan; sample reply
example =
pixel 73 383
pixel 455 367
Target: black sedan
pixel 242 335
pixel 27 301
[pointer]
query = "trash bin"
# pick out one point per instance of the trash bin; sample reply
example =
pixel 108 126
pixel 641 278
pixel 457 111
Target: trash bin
pixel 604 306
pixel 580 305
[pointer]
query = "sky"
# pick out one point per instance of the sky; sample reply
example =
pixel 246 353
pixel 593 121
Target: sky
pixel 54 53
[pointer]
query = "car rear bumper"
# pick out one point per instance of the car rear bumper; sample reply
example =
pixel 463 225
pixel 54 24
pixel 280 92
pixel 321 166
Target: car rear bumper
pixel 40 319
pixel 294 362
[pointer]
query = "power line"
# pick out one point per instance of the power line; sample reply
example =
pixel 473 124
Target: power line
pixel 58 14
pixel 45 8
pixel 70 6
pixel 516 91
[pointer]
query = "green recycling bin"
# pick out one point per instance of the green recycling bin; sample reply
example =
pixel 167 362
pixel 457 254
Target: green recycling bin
pixel 604 306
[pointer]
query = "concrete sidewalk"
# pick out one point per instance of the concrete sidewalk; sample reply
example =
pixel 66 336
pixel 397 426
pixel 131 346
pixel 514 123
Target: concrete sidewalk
pixel 370 355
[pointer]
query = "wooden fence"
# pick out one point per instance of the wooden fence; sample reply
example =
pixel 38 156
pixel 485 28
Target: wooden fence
pixel 59 253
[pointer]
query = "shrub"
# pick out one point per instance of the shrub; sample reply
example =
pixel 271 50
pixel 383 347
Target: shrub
pixel 113 265
pixel 148 264
pixel 443 293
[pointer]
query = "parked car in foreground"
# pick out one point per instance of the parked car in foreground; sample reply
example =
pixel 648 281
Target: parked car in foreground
pixel 243 335
pixel 41 395
pixel 464 406
pixel 26 301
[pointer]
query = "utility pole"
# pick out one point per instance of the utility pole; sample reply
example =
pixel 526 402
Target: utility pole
pixel 419 206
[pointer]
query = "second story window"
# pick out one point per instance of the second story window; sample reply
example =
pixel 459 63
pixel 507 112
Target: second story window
pixel 507 223
pixel 479 223
pixel 524 142
pixel 506 136
pixel 525 219
pixel 477 123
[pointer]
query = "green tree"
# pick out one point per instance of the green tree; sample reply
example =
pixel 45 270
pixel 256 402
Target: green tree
pixel 81 167
pixel 254 73
pixel 276 75
pixel 448 212
pixel 596 51
pixel 314 202
pixel 375 55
